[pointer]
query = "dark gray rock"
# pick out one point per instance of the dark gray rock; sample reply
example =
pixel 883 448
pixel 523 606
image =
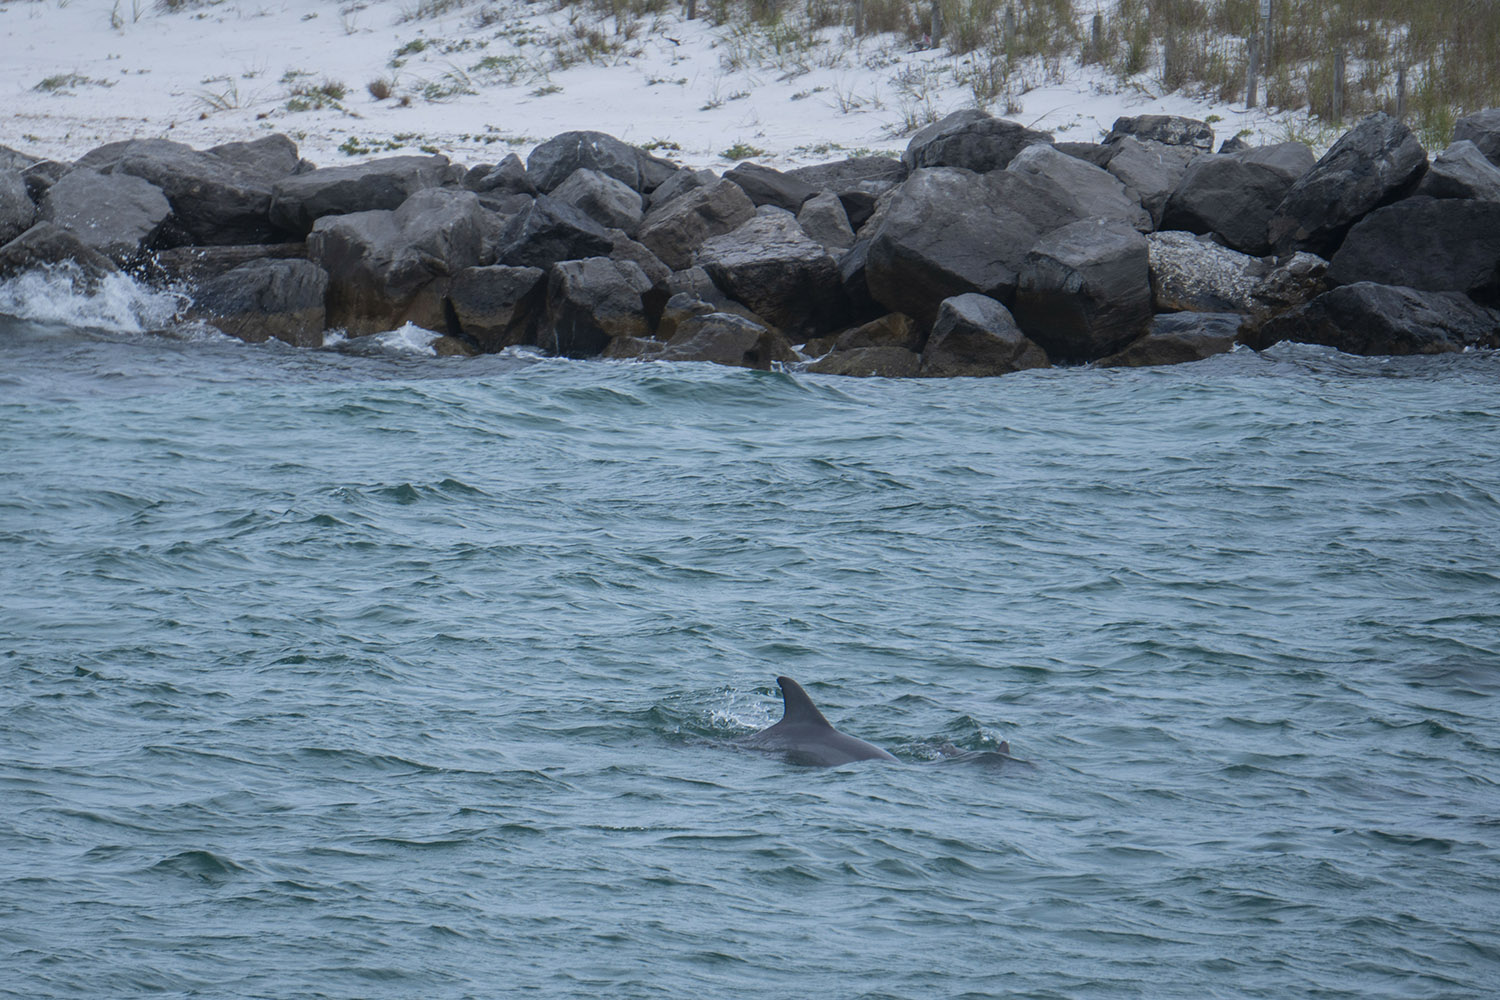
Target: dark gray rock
pixel 196 265
pixel 1377 161
pixel 675 230
pixel 42 175
pixel 1169 130
pixel 1482 129
pixel 679 309
pixel 622 247
pixel 1178 338
pixel 263 299
pixel 503 178
pixel 852 274
pixel 116 214
pixel 1096 193
pixel 948 232
pixel 1234 144
pixel 1461 171
pixel 269 156
pixel 764 186
pixel 382 184
pixel 389 268
pixel 1369 318
pixel 869 362
pixel 17 210
pixel 1085 290
pixel 1151 171
pixel 975 335
pixel 14 159
pixel 497 306
pixel 633 349
pixel 45 244
pixel 1437 245
pixel 679 184
pixel 1089 152
pixel 1235 194
pixel 554 161
pixel 890 330
pixel 548 231
pixel 771 265
pixel 970 139
pixel 215 201
pixel 611 203
pixel 824 220
pixel 727 339
pixel 589 302
pixel 840 176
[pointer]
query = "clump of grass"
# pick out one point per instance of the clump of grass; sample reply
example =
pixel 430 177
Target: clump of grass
pixel 381 88
pixel 64 83
pixel 742 151
pixel 305 95
pixel 224 97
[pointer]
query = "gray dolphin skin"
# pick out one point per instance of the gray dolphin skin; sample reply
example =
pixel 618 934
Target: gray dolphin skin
pixel 805 737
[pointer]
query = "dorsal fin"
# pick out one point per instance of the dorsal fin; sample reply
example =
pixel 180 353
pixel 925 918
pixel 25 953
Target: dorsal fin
pixel 798 708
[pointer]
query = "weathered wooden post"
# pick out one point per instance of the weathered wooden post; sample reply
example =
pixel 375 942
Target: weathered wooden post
pixel 1096 39
pixel 692 10
pixel 1401 92
pixel 1338 87
pixel 937 22
pixel 1252 69
pixel 859 17
pixel 1265 45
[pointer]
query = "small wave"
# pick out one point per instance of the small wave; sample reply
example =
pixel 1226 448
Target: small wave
pixel 407 339
pixel 205 866
pixel 60 296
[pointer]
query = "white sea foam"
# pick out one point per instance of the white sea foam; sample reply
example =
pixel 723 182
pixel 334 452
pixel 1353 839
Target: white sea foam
pixel 406 339
pixel 61 295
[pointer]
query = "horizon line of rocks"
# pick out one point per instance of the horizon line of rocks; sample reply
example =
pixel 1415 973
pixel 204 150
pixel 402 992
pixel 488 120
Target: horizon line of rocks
pixel 986 248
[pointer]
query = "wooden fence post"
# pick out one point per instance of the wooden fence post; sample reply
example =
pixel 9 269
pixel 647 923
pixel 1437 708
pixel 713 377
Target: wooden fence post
pixel 1338 87
pixel 1252 71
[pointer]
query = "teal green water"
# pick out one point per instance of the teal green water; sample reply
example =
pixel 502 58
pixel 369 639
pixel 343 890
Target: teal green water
pixel 329 675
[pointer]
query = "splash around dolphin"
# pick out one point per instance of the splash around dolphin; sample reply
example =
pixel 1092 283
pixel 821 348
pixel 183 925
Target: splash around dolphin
pixel 803 736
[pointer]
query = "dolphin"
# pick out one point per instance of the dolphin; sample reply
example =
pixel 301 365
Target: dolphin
pixel 805 737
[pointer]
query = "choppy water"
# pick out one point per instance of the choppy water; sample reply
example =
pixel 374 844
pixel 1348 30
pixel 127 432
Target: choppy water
pixel 344 675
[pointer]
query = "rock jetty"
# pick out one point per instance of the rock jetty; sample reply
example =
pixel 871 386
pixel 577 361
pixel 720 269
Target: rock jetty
pixel 986 248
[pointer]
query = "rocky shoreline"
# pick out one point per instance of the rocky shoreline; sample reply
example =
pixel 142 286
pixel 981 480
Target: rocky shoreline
pixel 987 248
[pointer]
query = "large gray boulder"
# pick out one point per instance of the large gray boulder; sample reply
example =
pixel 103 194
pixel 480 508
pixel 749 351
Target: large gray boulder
pixel 389 268
pixel 1370 318
pixel 970 139
pixel 823 219
pixel 116 214
pixel 1085 290
pixel 890 330
pixel 1170 130
pixel 1444 244
pixel 1151 171
pixel 764 186
pixel 17 211
pixel 675 230
pixel 555 160
pixel 263 299
pixel 772 266
pixel 1482 129
pixel 1096 193
pixel 382 184
pixel 216 200
pixel 947 232
pixel 1178 338
pixel 975 335
pixel 1461 171
pixel 1377 161
pixel 590 302
pixel 44 244
pixel 1235 194
pixel 851 174
pixel 547 231
pixel 196 265
pixel 680 183
pixel 611 203
pixel 497 306
pixel 727 339
pixel 14 159
pixel 503 178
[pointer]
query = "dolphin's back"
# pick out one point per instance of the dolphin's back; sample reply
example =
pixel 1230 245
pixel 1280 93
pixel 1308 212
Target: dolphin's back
pixel 805 737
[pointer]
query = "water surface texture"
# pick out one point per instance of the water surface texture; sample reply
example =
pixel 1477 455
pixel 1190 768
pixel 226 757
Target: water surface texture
pixel 329 675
